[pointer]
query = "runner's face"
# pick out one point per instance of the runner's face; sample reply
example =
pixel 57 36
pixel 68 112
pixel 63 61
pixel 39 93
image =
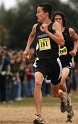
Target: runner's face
pixel 58 18
pixel 40 15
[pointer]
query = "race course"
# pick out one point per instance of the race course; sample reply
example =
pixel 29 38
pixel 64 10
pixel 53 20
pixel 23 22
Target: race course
pixel 23 112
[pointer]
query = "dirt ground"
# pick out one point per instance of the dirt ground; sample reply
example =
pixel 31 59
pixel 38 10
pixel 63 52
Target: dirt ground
pixel 25 115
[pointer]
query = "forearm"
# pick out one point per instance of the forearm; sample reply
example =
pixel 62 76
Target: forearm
pixel 57 39
pixel 30 40
pixel 76 46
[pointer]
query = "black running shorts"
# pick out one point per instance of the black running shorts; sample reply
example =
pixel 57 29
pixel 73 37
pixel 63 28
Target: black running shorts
pixel 51 68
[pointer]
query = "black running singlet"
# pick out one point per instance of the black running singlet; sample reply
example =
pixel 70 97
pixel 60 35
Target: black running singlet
pixel 69 45
pixel 47 48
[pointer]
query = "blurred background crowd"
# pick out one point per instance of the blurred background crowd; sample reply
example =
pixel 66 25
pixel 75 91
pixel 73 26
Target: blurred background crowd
pixel 17 76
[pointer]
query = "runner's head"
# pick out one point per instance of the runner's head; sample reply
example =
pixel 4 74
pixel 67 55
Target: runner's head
pixel 44 11
pixel 60 17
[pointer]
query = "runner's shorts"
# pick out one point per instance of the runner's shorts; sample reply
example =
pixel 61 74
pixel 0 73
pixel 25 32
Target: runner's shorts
pixel 51 68
pixel 68 64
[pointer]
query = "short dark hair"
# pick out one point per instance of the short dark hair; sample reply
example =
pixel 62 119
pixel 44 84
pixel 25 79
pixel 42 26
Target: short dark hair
pixel 62 15
pixel 46 8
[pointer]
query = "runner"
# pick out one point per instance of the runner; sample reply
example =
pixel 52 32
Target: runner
pixel 66 53
pixel 49 37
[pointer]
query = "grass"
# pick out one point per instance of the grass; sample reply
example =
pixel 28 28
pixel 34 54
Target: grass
pixel 47 101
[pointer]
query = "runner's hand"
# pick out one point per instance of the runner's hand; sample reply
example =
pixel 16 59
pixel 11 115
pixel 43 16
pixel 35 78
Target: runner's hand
pixel 44 27
pixel 72 53
pixel 26 54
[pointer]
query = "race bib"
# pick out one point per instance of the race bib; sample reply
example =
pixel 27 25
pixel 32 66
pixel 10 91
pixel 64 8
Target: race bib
pixel 44 44
pixel 63 51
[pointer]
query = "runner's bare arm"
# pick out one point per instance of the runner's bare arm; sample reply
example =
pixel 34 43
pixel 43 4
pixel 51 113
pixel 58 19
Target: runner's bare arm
pixel 31 37
pixel 58 31
pixel 26 53
pixel 74 37
pixel 58 37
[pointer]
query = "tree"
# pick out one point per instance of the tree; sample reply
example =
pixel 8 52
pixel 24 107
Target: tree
pixel 4 36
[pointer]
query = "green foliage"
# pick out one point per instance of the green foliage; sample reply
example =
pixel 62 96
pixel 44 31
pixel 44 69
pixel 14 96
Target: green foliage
pixel 4 36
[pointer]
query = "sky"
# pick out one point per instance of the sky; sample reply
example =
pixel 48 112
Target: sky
pixel 9 3
pixel 12 3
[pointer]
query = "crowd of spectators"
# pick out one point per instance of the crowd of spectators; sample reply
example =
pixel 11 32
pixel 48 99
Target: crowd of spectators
pixel 17 76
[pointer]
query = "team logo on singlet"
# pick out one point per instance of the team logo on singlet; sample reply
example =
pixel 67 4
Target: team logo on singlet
pixel 63 51
pixel 44 44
